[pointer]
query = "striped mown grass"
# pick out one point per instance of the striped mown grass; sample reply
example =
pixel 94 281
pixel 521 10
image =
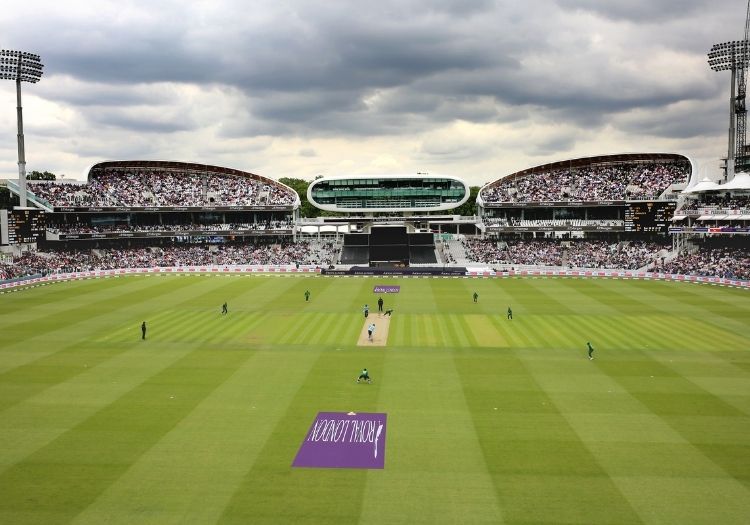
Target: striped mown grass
pixel 489 420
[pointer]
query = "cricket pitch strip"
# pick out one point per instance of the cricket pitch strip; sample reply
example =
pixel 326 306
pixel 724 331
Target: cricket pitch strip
pixel 380 335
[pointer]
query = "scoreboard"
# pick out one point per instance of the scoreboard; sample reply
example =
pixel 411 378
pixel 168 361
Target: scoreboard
pixel 22 226
pixel 649 216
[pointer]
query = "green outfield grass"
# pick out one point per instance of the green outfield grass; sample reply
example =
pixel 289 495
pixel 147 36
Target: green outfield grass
pixel 489 420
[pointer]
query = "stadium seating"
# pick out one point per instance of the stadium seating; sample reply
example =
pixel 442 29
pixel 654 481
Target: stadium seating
pixel 594 183
pixel 304 253
pixel 498 221
pixel 571 254
pixel 716 258
pixel 79 228
pixel 164 188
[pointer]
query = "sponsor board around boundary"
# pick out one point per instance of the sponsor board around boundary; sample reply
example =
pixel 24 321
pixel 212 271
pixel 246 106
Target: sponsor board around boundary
pixel 268 269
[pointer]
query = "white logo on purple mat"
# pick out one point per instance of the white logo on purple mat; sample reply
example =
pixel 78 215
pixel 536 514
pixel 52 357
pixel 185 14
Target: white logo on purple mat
pixel 341 440
pixel 386 289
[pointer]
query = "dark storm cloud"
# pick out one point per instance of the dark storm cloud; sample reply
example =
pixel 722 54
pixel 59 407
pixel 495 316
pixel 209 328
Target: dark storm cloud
pixel 342 69
pixel 142 122
pixel 317 49
pixel 601 91
pixel 681 121
pixel 303 107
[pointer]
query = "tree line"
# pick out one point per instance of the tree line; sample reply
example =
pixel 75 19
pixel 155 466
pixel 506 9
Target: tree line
pixel 8 200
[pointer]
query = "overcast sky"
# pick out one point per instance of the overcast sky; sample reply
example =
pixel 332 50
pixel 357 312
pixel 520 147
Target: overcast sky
pixel 473 88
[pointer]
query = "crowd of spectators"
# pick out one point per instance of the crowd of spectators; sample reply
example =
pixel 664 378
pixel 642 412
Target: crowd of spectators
pixel 594 183
pixel 710 260
pixel 299 253
pixel 29 264
pixel 717 202
pixel 729 262
pixel 547 253
pixel 63 194
pixel 164 188
pixel 628 255
pixel 501 221
pixel 78 228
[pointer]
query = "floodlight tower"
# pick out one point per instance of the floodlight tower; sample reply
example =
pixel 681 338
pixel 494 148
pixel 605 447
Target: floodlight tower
pixel 733 56
pixel 21 67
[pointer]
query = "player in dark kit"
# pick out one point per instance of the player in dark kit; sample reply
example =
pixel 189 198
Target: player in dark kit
pixel 510 313
pixel 143 330
pixel 380 305
pixel 307 295
pixel 476 296
pixel 364 376
pixel 389 312
pixel 224 309
pixel 591 350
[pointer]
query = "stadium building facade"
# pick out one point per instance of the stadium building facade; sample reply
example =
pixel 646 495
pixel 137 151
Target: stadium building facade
pixel 388 193
pixel 609 211
pixel 391 218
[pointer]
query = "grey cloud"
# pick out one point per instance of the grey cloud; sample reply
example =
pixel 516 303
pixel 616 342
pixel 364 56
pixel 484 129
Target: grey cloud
pixel 683 121
pixel 57 130
pixel 445 107
pixel 84 94
pixel 453 8
pixel 305 106
pixel 142 122
pixel 638 10
pixel 391 68
pixel 553 145
pixel 117 149
pixel 451 147
pixel 319 48
pixel 307 153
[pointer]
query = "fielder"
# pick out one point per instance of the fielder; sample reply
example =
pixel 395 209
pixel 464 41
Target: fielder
pixel 364 376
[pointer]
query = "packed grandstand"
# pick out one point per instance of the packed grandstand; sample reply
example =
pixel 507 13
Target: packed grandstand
pixel 163 185
pixel 595 179
pixel 713 258
pixel 143 214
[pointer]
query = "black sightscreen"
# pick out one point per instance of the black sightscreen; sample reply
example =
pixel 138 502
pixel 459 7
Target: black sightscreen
pixel 355 255
pixel 388 235
pixel 393 252
pixel 356 239
pixel 421 239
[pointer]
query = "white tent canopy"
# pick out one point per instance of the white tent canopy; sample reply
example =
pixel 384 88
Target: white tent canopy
pixel 704 185
pixel 741 181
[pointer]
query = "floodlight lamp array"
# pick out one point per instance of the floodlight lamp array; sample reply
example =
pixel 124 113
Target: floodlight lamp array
pixel 729 55
pixel 19 65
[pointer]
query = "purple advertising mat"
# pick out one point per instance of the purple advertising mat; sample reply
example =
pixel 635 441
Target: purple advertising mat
pixel 386 289
pixel 341 440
